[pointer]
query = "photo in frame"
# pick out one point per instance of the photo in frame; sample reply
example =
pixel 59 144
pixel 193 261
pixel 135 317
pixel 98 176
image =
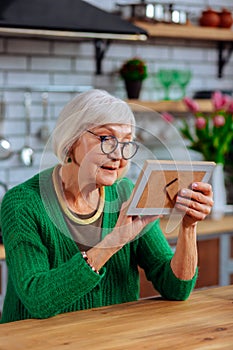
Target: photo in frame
pixel 159 182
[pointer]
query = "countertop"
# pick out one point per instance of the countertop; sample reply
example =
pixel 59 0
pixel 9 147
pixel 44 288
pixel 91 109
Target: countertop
pixel 204 321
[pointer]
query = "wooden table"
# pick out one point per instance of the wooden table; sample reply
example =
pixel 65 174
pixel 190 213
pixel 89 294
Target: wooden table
pixel 204 321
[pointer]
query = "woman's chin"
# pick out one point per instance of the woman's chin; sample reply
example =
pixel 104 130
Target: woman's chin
pixel 107 178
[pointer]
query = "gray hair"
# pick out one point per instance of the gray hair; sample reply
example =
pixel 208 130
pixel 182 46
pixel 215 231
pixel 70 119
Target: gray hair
pixel 88 109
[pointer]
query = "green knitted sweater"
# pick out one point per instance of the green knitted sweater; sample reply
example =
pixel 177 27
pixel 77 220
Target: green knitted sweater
pixel 47 274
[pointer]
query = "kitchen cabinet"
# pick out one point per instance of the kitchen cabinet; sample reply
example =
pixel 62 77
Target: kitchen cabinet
pixel 221 36
pixel 215 254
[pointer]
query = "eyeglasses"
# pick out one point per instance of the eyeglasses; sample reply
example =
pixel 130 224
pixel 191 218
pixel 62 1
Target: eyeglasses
pixel 109 144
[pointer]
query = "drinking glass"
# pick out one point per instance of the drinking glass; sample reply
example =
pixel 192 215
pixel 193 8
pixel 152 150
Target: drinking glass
pixel 166 79
pixel 182 79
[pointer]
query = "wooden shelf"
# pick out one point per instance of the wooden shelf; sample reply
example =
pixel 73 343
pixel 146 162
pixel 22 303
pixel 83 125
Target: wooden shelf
pixel 168 106
pixel 189 31
pixel 221 36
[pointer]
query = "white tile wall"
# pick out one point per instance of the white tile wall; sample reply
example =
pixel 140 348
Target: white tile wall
pixel 27 78
pixel 42 63
pixel 28 47
pixel 50 64
pixel 9 62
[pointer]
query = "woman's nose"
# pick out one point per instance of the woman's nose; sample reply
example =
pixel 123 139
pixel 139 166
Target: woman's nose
pixel 117 153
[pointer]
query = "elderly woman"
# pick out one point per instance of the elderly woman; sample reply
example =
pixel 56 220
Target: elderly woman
pixel 69 243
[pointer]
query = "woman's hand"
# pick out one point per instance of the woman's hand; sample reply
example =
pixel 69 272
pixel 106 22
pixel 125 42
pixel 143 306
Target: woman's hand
pixel 128 227
pixel 196 203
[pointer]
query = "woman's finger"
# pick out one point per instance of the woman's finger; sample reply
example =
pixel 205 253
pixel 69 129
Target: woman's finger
pixel 203 187
pixel 190 198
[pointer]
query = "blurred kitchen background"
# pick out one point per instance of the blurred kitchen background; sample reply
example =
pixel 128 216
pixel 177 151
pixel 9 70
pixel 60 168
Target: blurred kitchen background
pixel 39 75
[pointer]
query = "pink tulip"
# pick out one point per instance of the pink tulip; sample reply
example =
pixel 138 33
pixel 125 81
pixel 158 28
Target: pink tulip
pixel 219 100
pixel 191 104
pixel 200 123
pixel 167 117
pixel 230 106
pixel 218 120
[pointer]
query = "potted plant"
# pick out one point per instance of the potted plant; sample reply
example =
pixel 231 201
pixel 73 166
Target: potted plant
pixel 212 136
pixel 133 71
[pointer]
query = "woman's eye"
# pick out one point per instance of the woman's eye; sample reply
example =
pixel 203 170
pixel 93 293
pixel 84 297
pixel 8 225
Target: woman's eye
pixel 106 137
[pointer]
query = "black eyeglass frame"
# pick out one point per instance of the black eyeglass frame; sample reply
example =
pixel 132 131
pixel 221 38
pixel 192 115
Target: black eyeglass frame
pixel 124 144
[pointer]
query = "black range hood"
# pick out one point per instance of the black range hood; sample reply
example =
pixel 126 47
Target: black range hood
pixel 67 19
pixel 64 18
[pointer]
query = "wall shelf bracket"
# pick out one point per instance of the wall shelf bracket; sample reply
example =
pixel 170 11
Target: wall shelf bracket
pixel 101 46
pixel 224 53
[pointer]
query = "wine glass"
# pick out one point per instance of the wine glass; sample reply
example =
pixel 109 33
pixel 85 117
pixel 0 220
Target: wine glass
pixel 166 79
pixel 182 79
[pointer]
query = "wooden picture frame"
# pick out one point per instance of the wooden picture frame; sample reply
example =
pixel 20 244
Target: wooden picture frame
pixel 159 182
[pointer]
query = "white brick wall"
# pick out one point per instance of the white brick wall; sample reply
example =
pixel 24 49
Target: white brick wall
pixel 33 63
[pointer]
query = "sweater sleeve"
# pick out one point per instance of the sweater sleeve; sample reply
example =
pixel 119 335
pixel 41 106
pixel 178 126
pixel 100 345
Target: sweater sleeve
pixel 43 289
pixel 154 256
